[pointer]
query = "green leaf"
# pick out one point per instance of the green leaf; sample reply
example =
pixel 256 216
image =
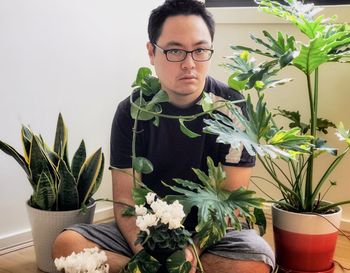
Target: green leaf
pixel 187 131
pixel 44 196
pixel 177 263
pixel 138 114
pixel 17 156
pixel 142 165
pixel 141 262
pixel 98 179
pixel 88 176
pixel 27 136
pixel 139 195
pixel 37 160
pixel 68 197
pixel 260 220
pixel 78 160
pixel 236 84
pixel 141 74
pixel 207 102
pixel 215 204
pixel 128 211
pixel 61 140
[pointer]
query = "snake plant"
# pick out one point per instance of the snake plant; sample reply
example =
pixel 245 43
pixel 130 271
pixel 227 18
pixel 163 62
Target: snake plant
pixel 57 184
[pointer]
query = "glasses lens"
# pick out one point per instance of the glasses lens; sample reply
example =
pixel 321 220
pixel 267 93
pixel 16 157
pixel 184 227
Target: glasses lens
pixel 201 55
pixel 176 55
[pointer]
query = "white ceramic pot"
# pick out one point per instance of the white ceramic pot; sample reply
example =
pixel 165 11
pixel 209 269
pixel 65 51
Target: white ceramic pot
pixel 305 242
pixel 46 225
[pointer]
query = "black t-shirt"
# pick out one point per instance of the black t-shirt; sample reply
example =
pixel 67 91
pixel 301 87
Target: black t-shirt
pixel 172 153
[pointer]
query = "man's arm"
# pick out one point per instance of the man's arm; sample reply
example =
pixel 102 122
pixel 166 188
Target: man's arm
pixel 122 189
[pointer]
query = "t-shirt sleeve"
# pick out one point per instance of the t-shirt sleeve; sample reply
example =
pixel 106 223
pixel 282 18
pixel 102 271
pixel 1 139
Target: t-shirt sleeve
pixel 121 137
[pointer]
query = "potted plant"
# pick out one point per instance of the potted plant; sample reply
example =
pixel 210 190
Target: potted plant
pixel 310 237
pixel 62 192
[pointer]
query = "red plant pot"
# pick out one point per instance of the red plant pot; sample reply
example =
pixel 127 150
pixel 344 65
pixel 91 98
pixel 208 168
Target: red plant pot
pixel 305 242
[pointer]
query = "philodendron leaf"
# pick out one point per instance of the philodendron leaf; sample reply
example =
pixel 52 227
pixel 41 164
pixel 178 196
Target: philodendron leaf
pixel 44 196
pixel 187 131
pixel 214 204
pixel 260 220
pixel 142 165
pixel 137 112
pixel 17 156
pixel 88 176
pixel 78 160
pixel 142 262
pixel 61 140
pixel 177 263
pixel 68 197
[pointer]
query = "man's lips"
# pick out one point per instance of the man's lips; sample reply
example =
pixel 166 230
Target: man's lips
pixel 188 77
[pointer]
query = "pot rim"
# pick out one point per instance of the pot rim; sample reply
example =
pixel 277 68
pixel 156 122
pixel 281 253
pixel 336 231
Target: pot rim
pixel 91 204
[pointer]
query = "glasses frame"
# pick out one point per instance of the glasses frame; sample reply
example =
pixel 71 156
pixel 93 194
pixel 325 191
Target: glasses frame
pixel 165 52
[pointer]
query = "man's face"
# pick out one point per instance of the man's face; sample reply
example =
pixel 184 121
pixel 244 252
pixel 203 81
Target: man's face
pixel 183 81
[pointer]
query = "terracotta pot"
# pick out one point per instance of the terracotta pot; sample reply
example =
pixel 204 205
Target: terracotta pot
pixel 305 242
pixel 46 225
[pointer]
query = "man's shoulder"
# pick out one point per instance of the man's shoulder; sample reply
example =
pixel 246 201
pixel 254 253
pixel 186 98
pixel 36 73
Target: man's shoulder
pixel 221 89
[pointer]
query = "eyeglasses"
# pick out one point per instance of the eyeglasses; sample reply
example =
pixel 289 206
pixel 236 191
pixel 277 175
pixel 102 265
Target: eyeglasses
pixel 178 55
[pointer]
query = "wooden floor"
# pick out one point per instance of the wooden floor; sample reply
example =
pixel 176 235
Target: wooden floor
pixel 23 261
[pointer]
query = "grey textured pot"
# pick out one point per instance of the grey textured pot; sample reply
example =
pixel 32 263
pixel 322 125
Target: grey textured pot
pixel 46 225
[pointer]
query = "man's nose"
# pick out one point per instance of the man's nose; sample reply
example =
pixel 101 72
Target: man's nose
pixel 188 62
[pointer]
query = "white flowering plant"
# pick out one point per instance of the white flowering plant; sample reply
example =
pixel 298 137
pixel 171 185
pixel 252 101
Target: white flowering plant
pixel 90 260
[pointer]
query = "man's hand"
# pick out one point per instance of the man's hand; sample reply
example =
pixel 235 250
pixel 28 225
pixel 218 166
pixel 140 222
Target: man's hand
pixel 189 255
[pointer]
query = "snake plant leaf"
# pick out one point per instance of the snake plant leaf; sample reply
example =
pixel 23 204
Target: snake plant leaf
pixel 214 204
pixel 44 195
pixel 176 263
pixel 68 197
pixel 142 165
pixel 61 140
pixel 141 262
pixel 187 131
pixel 141 74
pixel 26 136
pixel 99 178
pixel 78 160
pixel 37 160
pixel 88 175
pixel 17 156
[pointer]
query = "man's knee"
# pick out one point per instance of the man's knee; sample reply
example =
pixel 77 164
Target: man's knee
pixel 69 241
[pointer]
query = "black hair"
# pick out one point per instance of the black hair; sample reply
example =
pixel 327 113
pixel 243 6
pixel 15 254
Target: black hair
pixel 177 7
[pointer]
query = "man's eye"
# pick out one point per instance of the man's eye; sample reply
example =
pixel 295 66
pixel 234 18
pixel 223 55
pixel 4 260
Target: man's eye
pixel 175 51
pixel 199 51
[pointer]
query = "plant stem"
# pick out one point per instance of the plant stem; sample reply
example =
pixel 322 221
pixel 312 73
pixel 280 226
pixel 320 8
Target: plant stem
pixel 197 256
pixel 313 118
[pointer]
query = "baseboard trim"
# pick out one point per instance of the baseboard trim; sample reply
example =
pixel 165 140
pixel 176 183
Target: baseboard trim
pixel 23 239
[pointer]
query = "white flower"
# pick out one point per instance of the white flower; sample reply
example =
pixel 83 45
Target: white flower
pixel 146 221
pixel 159 207
pixel 90 260
pixel 140 210
pixel 175 223
pixel 150 197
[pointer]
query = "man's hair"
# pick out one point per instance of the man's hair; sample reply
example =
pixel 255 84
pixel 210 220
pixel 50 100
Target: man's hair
pixel 177 7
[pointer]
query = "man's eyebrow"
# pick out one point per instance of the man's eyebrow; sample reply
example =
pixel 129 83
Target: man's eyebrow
pixel 174 43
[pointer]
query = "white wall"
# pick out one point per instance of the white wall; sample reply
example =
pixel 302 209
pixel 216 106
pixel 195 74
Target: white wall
pixel 78 57
pixel 233 27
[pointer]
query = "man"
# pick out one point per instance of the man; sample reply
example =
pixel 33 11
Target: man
pixel 181 36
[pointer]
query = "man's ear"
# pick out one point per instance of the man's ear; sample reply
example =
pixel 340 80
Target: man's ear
pixel 150 50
